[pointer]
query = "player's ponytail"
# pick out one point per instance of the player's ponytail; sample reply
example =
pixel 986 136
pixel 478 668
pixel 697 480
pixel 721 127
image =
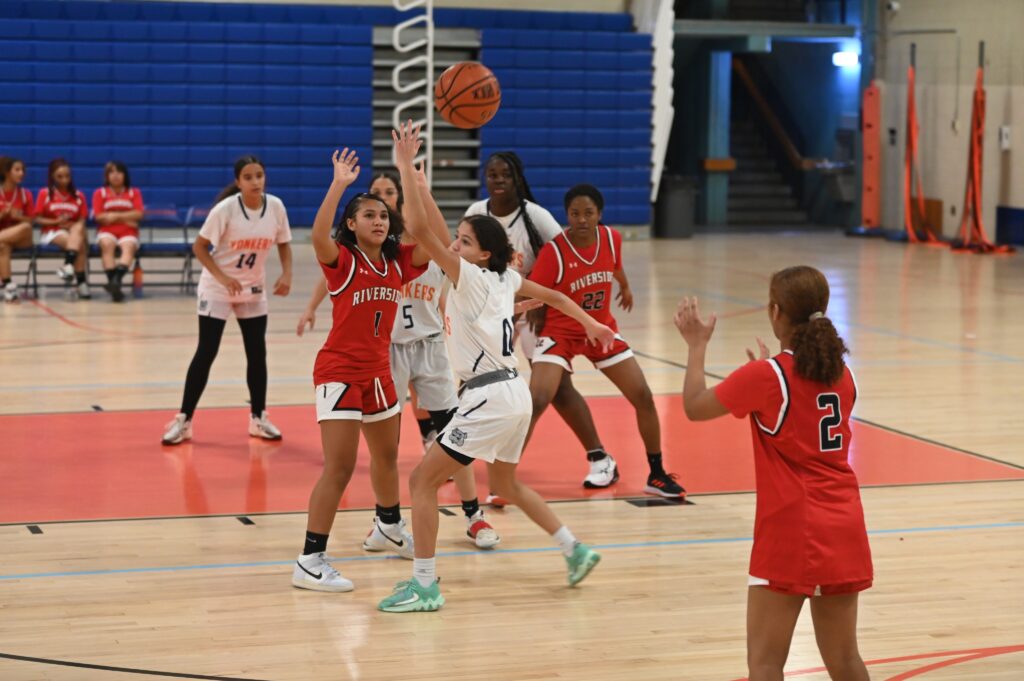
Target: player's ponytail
pixel 802 295
pixel 233 188
pixel 492 237
pixel 523 193
pixel 55 165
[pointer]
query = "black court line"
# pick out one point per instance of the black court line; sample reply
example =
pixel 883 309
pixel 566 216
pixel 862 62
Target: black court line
pixel 445 511
pixel 123 670
pixel 897 431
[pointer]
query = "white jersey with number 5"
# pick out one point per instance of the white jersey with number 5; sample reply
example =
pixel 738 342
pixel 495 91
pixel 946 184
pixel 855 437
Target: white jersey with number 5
pixel 419 313
pixel 242 239
pixel 479 312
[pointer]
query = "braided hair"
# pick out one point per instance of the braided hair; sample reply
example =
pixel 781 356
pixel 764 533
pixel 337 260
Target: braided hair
pixel 523 193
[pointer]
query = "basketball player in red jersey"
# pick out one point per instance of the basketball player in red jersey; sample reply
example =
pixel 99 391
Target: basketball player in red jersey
pixel 16 210
pixel 582 262
pixel 366 268
pixel 117 207
pixel 810 539
pixel 61 211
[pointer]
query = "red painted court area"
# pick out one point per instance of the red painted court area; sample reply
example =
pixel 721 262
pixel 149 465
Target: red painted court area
pixel 111 464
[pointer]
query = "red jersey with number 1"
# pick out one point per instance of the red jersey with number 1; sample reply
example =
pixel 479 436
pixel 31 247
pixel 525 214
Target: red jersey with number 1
pixel 365 296
pixel 583 274
pixel 809 527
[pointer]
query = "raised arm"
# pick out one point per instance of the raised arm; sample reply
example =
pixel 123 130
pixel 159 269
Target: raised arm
pixel 699 402
pixel 346 171
pixel 596 332
pixel 427 236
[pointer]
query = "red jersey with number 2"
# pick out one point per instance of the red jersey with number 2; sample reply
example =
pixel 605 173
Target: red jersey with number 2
pixel 365 296
pixel 809 527
pixel 582 274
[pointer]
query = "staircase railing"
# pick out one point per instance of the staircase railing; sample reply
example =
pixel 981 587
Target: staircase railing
pixel 424 86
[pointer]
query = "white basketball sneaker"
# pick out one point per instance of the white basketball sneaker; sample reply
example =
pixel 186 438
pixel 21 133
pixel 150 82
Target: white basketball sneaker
pixel 83 291
pixel 177 431
pixel 603 473
pixel 262 427
pixel 389 538
pixel 314 572
pixel 481 532
pixel 10 292
pixel 66 272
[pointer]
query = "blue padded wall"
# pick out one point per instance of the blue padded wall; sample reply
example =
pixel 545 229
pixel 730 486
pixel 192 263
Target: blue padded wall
pixel 180 90
pixel 578 111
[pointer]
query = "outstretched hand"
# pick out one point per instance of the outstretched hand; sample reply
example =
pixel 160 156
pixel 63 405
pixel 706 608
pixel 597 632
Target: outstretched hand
pixel 693 329
pixel 346 166
pixel 407 143
pixel 762 351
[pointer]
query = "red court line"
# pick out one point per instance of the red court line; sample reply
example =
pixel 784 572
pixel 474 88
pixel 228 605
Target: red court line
pixel 960 656
pixel 70 322
pixel 103 465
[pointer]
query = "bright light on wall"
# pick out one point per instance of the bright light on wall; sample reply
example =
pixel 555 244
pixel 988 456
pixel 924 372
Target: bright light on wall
pixel 845 59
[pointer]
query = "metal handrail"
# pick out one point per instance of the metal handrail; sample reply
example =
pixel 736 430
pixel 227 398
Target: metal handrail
pixel 424 85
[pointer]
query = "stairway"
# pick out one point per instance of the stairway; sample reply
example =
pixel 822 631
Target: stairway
pixel 456 180
pixel 758 194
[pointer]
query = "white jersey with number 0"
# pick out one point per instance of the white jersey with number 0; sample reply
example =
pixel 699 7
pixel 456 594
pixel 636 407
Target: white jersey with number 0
pixel 242 239
pixel 419 313
pixel 479 312
pixel 546 224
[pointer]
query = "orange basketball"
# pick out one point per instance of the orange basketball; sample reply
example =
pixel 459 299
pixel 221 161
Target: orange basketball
pixel 467 95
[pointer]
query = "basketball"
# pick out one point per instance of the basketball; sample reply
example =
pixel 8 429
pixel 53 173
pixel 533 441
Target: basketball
pixel 467 95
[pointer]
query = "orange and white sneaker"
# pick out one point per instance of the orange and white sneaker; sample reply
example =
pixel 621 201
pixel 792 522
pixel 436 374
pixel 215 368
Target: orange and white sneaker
pixel 481 532
pixel 496 501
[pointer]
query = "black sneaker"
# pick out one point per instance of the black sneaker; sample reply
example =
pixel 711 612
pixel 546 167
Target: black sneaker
pixel 114 289
pixel 665 485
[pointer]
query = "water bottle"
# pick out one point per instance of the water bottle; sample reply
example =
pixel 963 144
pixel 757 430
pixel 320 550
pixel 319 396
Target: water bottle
pixel 137 282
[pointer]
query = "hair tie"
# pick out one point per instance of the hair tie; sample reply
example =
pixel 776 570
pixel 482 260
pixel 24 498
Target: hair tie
pixel 816 315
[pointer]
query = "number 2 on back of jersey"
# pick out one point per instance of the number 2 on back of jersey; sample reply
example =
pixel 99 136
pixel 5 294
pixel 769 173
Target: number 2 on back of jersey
pixel 833 419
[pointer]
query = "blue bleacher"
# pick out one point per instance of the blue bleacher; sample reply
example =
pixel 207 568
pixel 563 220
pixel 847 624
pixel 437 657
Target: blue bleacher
pixel 178 90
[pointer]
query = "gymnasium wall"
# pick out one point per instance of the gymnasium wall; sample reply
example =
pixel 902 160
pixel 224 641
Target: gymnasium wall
pixel 944 93
pixel 549 5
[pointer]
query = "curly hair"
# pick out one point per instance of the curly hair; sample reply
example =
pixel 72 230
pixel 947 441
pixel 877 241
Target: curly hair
pixel 802 296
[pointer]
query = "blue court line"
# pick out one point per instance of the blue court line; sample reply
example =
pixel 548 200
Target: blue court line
pixel 460 554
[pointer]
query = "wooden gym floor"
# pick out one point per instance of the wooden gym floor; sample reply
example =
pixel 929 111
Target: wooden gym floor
pixel 123 559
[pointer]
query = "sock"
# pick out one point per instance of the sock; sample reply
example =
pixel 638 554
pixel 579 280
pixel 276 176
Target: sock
pixel 389 515
pixel 315 543
pixel 80 277
pixel 566 540
pixel 6 281
pixel 110 275
pixel 654 461
pixel 119 272
pixel 69 257
pixel 426 425
pixel 424 571
pixel 596 454
pixel 471 507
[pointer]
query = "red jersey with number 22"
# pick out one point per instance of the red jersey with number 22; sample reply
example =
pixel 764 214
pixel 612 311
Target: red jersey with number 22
pixel 809 527
pixel 365 296
pixel 584 275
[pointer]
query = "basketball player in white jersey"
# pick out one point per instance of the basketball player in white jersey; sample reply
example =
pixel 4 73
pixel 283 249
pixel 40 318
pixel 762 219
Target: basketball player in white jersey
pixel 242 228
pixel 529 227
pixel 494 402
pixel 419 359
